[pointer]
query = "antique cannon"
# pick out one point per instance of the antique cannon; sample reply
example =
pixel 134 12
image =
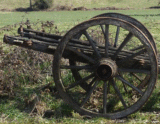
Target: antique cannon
pixel 104 67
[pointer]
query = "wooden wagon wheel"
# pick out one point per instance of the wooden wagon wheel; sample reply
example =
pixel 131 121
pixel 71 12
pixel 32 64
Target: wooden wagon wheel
pixel 142 28
pixel 135 23
pixel 106 68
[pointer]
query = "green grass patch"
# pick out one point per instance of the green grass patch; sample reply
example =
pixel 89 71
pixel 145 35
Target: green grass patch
pixel 70 18
pixel 66 19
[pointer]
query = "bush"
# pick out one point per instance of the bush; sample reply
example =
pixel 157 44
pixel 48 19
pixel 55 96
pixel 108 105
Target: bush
pixel 42 4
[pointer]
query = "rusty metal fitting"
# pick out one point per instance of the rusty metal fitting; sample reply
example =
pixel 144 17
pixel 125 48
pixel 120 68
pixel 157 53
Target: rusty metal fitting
pixel 106 69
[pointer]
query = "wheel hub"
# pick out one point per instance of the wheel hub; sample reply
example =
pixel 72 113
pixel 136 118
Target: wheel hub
pixel 106 69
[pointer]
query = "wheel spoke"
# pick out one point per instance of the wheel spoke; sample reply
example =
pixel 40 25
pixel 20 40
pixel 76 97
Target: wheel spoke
pixel 118 93
pixel 76 67
pixel 134 70
pixel 106 36
pixel 136 76
pixel 124 86
pixel 132 56
pixel 89 59
pixel 137 48
pixel 91 83
pixel 103 30
pixel 117 35
pixel 92 44
pixel 105 97
pixel 89 94
pixel 130 85
pixel 80 81
pixel 108 88
pixel 106 40
pixel 144 82
pixel 126 40
pixel 78 35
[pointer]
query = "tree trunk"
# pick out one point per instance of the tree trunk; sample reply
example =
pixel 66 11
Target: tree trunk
pixel 31 4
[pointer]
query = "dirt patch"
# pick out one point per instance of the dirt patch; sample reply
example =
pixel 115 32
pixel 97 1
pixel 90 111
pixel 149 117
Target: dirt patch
pixel 5 10
pixel 154 7
pixel 82 8
pixel 23 9
pixel 79 8
pixel 104 8
pixel 111 8
pixel 61 8
pixel 64 8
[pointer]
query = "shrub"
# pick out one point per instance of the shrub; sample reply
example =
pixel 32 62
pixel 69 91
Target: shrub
pixel 42 4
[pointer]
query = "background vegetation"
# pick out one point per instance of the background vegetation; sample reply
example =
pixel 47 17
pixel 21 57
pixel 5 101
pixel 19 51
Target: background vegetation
pixel 41 4
pixel 134 4
pixel 26 95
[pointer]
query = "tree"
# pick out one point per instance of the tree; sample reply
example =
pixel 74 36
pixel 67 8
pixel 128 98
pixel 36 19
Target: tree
pixel 42 4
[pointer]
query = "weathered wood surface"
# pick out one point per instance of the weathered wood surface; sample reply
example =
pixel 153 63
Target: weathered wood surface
pixel 47 43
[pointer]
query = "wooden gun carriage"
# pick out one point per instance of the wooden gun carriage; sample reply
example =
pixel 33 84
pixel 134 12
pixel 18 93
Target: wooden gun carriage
pixel 104 67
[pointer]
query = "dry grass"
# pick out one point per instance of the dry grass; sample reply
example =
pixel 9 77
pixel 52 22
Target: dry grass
pixel 12 4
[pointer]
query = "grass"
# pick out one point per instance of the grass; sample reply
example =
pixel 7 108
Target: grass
pixel 19 109
pixel 68 19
